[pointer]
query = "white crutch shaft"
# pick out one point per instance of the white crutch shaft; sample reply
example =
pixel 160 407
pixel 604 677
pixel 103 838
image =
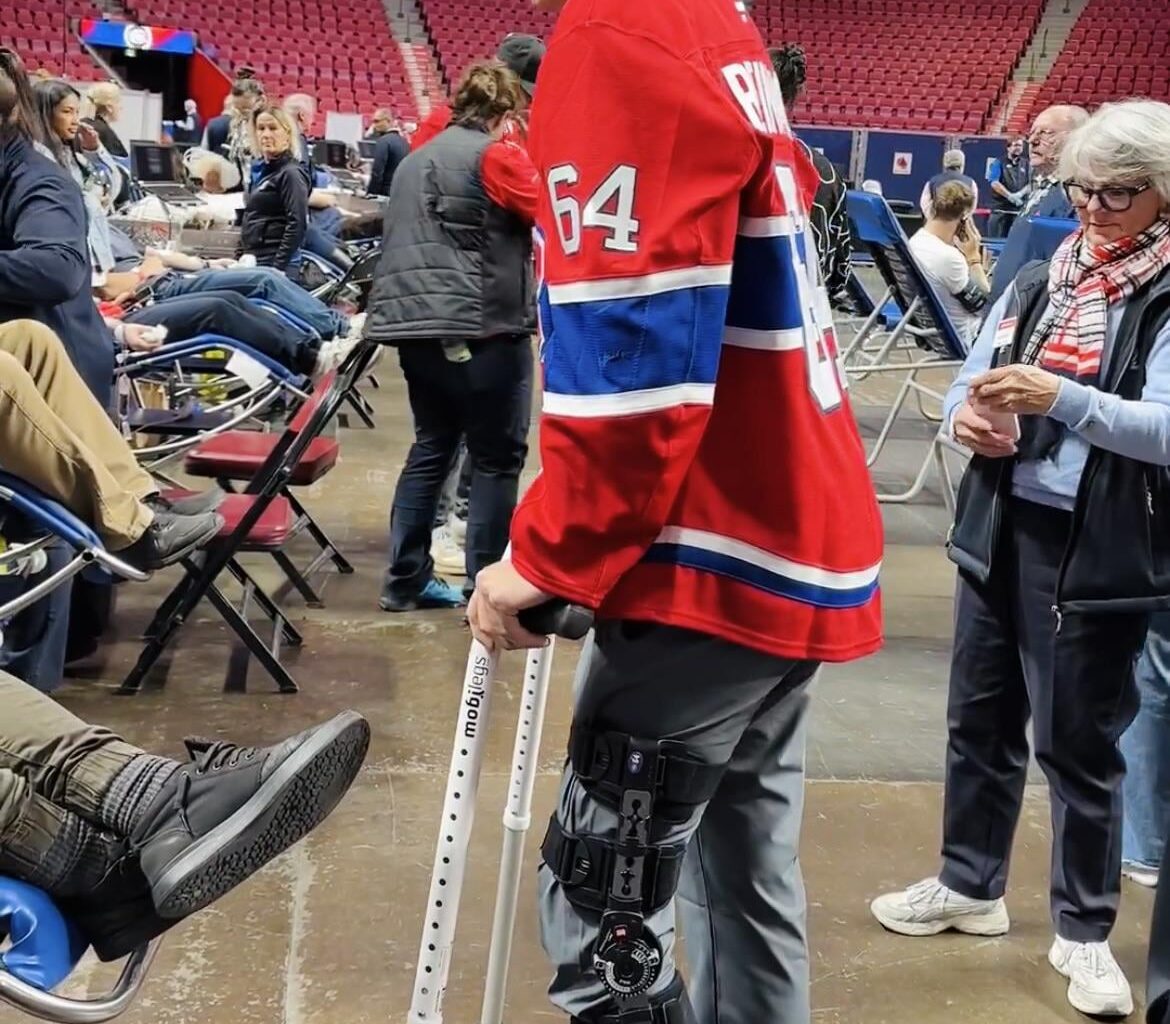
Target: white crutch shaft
pixel 517 817
pixel 471 733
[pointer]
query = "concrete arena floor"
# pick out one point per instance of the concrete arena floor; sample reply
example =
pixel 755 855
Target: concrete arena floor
pixel 328 935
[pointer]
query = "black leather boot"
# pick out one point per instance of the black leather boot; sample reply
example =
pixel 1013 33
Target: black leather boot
pixel 231 809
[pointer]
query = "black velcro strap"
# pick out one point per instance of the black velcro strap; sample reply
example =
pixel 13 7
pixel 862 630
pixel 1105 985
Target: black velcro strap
pixel 602 761
pixel 584 865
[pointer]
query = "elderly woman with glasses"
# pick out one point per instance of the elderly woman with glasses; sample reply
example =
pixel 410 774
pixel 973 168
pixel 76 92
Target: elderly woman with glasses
pixel 1062 538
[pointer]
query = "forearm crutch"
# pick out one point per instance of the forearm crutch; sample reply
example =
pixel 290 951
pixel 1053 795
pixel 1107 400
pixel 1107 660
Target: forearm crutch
pixel 455 827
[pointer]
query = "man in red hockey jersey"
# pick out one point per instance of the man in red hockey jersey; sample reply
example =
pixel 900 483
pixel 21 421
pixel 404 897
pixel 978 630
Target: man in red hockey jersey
pixel 704 489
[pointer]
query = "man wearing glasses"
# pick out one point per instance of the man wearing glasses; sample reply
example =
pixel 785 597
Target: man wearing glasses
pixel 1047 198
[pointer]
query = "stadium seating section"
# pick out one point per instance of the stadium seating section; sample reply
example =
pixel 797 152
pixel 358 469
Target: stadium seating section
pixel 913 64
pixel 341 51
pixel 39 31
pixel 1118 48
pixel 901 64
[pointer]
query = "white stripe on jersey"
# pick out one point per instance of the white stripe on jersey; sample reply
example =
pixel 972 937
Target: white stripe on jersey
pixel 637 287
pixel 768 227
pixel 777 564
pixel 628 403
pixel 766 341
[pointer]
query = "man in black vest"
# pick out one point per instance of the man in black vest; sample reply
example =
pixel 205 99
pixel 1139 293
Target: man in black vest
pixel 954 169
pixel 1010 179
pixel 455 294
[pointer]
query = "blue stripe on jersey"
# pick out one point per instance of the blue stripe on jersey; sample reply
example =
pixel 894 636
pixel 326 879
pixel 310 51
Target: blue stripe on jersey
pixel 756 576
pixel 613 346
pixel 765 295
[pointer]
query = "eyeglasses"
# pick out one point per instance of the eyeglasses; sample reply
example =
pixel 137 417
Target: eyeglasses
pixel 1113 198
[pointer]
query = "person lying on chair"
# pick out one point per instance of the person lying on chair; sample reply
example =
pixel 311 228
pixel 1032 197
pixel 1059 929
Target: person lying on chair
pixel 55 436
pixel 128 843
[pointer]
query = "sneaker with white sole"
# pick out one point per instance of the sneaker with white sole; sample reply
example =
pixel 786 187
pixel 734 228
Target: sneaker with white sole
pixel 458 529
pixel 929 908
pixel 1140 874
pixel 332 354
pixel 1096 983
pixel 449 558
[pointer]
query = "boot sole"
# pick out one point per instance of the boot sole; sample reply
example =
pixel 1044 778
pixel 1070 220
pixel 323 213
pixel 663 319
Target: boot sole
pixel 294 800
pixel 986 925
pixel 1087 1003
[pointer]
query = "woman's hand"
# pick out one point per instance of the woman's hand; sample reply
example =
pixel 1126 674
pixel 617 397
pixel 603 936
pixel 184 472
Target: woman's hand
pixel 1018 388
pixel 88 138
pixel 971 243
pixel 140 338
pixel 972 431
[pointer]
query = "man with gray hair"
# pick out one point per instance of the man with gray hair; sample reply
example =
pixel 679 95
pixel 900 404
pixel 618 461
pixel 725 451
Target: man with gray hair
pixel 954 163
pixel 1050 131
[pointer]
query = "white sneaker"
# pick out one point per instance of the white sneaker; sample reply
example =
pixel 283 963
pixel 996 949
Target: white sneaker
pixel 930 907
pixel 332 354
pixel 1140 874
pixel 458 529
pixel 1096 984
pixel 357 324
pixel 449 557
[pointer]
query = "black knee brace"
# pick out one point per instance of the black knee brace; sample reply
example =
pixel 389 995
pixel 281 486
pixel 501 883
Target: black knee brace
pixel 671 1007
pixel 648 783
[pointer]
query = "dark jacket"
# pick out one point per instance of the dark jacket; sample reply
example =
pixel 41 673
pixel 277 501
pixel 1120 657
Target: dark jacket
pixel 215 135
pixel 454 264
pixel 1023 243
pixel 390 151
pixel 45 272
pixel 276 215
pixel 943 177
pixel 1118 556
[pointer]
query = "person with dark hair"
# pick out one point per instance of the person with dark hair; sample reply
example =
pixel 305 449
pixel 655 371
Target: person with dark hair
pixel 454 292
pixel 521 54
pixel 128 843
pixel 60 110
pixel 1010 178
pixel 227 135
pixel 276 214
pixel 390 149
pixel 830 221
pixel 45 270
pixel 949 250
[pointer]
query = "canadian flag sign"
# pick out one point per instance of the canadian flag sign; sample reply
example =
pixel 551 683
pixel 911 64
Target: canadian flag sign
pixel 903 163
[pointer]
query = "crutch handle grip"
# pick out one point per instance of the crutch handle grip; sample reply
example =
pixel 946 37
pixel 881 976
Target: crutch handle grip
pixel 557 618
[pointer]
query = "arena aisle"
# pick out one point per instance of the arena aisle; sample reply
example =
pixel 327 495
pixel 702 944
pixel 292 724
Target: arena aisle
pixel 329 934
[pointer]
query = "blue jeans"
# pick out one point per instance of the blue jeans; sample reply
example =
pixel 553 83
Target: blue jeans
pixel 488 400
pixel 1146 747
pixel 258 283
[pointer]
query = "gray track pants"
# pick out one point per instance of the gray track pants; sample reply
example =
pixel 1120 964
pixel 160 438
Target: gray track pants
pixel 741 898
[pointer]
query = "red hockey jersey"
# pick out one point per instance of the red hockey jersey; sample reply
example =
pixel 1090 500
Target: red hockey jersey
pixel 701 466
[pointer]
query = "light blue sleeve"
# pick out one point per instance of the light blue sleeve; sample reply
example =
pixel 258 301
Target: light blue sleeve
pixel 978 360
pixel 1136 429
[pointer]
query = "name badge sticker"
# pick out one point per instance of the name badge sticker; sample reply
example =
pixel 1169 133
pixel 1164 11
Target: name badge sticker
pixel 1005 332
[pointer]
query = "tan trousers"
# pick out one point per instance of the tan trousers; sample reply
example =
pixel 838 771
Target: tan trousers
pixel 55 435
pixel 49 760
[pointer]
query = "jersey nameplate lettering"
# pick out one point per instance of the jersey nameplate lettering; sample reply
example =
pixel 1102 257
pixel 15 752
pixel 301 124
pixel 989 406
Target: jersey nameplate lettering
pixel 757 90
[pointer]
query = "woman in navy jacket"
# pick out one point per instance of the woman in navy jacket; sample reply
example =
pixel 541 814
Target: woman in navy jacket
pixel 276 217
pixel 45 271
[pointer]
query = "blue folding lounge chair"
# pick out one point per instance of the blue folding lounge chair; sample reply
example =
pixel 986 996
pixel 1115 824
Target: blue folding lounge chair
pixel 44 949
pixel 924 338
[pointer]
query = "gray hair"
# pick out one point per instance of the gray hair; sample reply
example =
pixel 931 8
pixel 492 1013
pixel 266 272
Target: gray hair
pixel 954 160
pixel 1122 143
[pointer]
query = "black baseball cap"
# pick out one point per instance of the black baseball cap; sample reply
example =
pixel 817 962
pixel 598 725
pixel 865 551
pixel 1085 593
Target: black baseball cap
pixel 522 54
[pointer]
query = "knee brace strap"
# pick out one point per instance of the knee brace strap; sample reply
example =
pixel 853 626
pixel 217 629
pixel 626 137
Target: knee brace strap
pixel 671 1007
pixel 605 761
pixel 585 865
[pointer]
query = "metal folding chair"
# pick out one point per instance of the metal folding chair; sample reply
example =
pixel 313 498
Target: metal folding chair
pixel 924 338
pixel 45 948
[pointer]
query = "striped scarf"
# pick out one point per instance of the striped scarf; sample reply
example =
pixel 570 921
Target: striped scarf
pixel 1083 282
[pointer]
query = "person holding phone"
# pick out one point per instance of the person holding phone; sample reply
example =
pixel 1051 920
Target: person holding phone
pixel 949 249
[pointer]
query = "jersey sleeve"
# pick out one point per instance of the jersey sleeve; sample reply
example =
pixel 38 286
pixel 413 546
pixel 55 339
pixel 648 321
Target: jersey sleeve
pixel 636 231
pixel 510 179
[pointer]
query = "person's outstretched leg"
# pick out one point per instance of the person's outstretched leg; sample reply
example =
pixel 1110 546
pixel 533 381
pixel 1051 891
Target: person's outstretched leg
pixel 644 685
pixel 191 831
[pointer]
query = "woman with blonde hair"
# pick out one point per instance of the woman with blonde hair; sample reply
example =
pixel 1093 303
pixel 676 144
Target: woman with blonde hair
pixel 106 100
pixel 276 214
pixel 455 294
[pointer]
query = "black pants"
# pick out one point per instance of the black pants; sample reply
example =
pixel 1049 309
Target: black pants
pixel 235 317
pixel 1078 685
pixel 488 400
pixel 1000 223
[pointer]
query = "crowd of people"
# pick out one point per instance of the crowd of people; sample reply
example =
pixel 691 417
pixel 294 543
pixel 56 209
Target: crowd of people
pixel 684 298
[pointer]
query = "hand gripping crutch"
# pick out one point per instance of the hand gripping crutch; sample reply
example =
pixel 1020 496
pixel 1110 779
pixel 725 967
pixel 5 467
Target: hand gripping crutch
pixel 434 959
